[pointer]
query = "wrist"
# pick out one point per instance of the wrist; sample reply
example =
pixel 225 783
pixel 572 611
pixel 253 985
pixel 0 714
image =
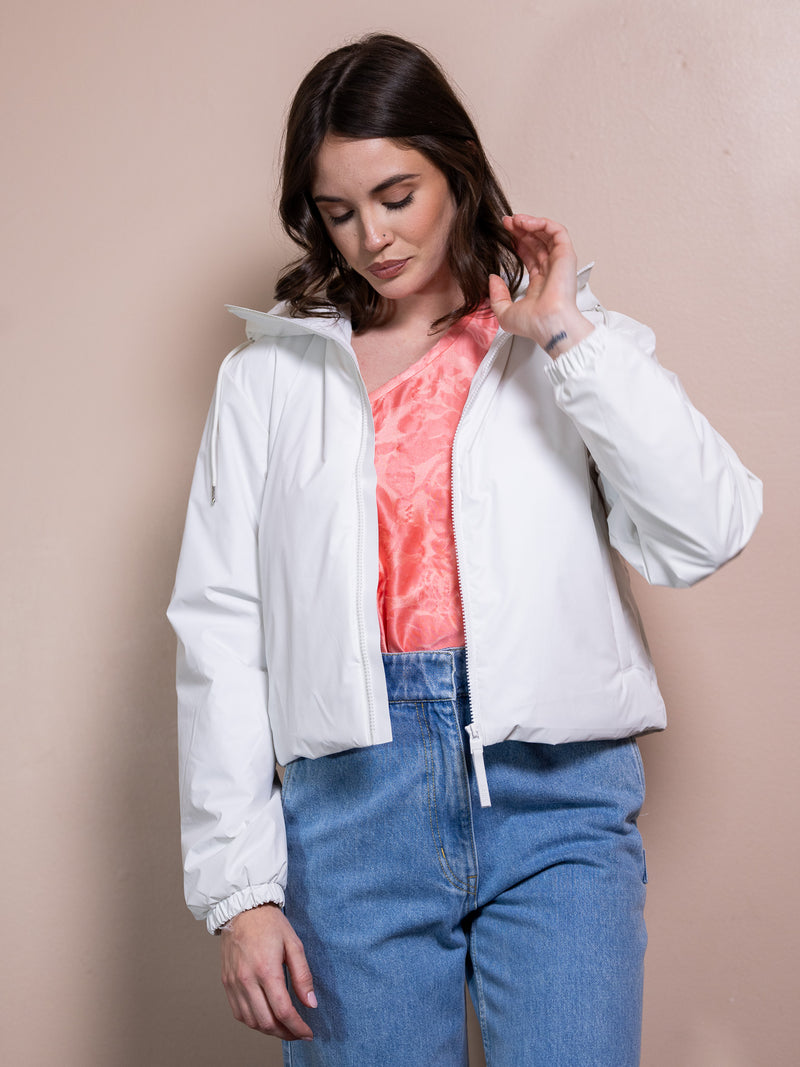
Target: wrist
pixel 560 331
pixel 249 914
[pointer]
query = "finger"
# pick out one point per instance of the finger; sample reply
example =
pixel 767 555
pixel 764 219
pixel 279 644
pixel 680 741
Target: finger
pixel 537 223
pixel 300 973
pixel 249 1006
pixel 499 296
pixel 273 1027
pixel 555 238
pixel 267 1009
pixel 551 235
pixel 525 225
pixel 533 245
pixel 283 1010
pixel 257 1015
pixel 263 1003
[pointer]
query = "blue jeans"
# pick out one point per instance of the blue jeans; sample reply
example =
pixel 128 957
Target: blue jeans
pixel 401 886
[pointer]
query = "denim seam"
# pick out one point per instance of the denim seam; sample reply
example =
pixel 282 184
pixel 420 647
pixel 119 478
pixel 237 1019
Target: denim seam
pixel 637 758
pixel 433 816
pixel 481 1005
pixel 472 879
pixel 287 777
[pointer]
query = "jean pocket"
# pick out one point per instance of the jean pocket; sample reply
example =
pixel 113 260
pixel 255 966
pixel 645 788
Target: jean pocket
pixel 288 774
pixel 636 756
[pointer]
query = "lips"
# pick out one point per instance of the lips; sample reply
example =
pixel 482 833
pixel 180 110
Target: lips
pixel 388 268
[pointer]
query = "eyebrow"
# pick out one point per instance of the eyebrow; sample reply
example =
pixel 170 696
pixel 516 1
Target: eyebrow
pixel 394 180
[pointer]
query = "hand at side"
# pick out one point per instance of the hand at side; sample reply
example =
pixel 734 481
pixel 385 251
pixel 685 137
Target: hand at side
pixel 255 946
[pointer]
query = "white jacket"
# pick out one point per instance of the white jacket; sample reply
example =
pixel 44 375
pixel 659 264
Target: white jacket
pixel 275 597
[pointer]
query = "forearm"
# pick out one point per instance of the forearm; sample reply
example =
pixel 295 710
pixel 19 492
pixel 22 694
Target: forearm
pixel 680 501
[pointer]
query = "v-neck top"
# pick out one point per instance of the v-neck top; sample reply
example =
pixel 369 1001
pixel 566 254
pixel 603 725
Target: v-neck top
pixel 416 414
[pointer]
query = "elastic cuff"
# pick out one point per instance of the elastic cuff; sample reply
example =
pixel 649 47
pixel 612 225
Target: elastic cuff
pixel 244 900
pixel 579 358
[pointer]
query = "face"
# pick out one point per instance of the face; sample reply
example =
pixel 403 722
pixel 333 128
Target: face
pixel 389 211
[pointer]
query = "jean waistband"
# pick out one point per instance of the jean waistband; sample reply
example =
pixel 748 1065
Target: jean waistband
pixel 437 675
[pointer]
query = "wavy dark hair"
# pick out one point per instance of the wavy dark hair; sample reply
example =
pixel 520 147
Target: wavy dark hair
pixel 385 86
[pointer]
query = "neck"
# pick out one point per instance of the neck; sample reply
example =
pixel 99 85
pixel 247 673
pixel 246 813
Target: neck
pixel 422 309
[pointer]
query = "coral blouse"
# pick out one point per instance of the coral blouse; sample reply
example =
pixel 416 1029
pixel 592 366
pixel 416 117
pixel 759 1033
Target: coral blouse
pixel 416 414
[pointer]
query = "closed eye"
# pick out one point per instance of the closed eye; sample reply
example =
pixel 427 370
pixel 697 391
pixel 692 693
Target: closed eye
pixel 337 220
pixel 390 205
pixel 396 205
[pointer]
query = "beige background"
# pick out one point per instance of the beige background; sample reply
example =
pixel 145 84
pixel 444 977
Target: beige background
pixel 139 151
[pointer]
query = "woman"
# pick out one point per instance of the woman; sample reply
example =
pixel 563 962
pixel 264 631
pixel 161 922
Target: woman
pixel 403 461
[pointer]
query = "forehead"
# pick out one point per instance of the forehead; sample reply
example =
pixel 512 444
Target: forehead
pixel 344 164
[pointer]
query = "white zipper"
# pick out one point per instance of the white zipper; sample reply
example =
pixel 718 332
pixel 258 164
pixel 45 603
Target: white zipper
pixel 362 628
pixel 366 412
pixel 472 728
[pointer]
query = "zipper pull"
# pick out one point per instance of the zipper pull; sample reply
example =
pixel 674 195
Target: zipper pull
pixel 476 751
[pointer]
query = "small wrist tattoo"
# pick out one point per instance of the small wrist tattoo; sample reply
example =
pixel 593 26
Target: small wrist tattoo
pixel 554 340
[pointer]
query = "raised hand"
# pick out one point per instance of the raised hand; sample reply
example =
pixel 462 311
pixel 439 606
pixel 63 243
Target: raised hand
pixel 547 313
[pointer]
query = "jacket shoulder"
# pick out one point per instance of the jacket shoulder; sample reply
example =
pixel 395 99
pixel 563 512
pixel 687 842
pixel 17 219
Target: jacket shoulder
pixel 257 364
pixel 597 313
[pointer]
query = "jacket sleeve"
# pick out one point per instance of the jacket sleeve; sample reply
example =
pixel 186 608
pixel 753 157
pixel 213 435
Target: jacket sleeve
pixel 232 831
pixel 679 502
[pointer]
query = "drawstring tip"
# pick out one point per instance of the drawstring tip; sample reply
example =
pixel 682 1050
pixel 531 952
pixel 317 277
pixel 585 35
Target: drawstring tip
pixel 213 495
pixel 476 751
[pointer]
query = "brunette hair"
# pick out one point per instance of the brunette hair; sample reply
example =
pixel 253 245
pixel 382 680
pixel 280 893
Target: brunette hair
pixel 384 86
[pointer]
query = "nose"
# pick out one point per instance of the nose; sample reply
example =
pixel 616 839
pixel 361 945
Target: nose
pixel 376 235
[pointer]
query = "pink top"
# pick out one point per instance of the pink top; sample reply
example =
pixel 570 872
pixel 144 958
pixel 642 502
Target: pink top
pixel 416 415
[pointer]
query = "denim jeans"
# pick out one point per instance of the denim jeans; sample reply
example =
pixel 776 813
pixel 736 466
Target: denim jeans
pixel 401 886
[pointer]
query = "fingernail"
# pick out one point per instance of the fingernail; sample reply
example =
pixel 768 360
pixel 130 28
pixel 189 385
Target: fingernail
pixel 311 1000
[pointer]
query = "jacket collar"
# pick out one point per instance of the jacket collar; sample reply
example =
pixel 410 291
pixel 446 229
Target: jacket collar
pixel 277 322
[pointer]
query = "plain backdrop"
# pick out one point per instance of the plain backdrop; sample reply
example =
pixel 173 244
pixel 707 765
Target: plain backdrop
pixel 140 145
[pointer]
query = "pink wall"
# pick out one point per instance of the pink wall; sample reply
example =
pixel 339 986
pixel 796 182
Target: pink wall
pixel 139 144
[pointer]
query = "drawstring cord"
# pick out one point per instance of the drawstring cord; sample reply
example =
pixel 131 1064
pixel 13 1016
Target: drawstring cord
pixel 215 417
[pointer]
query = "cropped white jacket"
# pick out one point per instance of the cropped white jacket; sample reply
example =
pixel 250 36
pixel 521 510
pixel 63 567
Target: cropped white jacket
pixel 556 463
